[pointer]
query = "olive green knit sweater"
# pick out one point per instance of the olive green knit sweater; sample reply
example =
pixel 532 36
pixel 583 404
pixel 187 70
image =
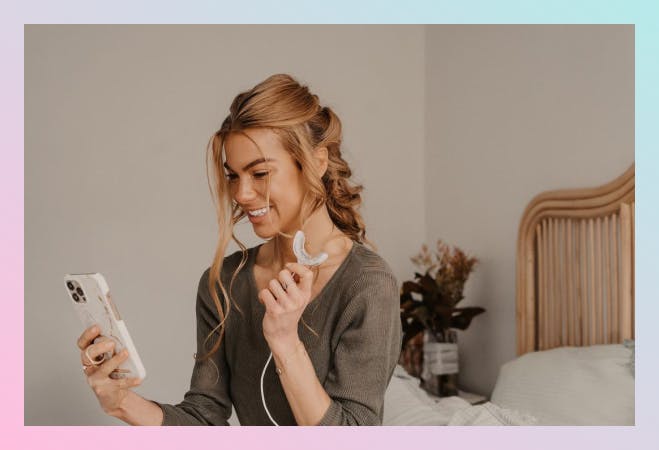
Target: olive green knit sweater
pixel 357 321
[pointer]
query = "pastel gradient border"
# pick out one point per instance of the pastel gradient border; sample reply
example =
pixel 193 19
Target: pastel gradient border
pixel 15 14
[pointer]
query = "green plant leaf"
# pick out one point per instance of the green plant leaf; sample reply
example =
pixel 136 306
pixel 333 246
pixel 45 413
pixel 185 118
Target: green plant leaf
pixel 428 284
pixel 461 318
pixel 405 297
pixel 411 331
pixel 442 317
pixel 411 286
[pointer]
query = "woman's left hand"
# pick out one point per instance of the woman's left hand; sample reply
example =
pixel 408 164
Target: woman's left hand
pixel 283 308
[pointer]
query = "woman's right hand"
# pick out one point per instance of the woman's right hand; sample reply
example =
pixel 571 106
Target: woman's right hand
pixel 109 391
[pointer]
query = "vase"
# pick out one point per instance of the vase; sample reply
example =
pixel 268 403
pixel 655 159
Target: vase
pixel 439 375
pixel 411 358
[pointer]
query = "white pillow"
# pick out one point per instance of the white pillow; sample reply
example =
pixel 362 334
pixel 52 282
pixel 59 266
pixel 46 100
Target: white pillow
pixel 570 386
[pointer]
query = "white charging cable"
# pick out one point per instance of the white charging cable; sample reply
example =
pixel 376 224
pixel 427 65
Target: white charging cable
pixel 302 258
pixel 262 395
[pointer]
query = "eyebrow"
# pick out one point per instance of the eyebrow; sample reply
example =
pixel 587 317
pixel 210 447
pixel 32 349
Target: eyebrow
pixel 253 163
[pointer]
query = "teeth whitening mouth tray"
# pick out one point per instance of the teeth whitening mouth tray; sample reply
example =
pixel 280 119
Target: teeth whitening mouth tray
pixel 302 258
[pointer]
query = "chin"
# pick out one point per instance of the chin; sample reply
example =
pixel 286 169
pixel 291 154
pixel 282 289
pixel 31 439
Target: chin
pixel 268 232
pixel 265 232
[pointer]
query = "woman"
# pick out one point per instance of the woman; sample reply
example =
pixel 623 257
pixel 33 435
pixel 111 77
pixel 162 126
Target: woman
pixel 333 330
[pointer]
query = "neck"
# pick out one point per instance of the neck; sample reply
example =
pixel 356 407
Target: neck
pixel 319 232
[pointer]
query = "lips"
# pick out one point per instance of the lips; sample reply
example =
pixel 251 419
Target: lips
pixel 248 210
pixel 259 219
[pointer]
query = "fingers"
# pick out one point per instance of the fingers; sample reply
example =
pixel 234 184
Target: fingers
pixel 110 371
pixel 109 391
pixel 93 353
pixel 268 300
pixel 113 363
pixel 101 339
pixel 276 299
pixel 305 274
pixel 277 290
pixel 286 279
pixel 88 336
pixel 127 383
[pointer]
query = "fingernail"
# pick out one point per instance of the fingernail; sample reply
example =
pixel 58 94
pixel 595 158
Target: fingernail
pixel 124 352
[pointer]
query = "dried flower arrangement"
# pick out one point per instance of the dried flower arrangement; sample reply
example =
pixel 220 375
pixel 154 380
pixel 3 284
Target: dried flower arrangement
pixel 441 289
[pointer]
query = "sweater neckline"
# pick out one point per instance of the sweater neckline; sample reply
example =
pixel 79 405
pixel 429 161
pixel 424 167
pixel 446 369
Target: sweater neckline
pixel 337 273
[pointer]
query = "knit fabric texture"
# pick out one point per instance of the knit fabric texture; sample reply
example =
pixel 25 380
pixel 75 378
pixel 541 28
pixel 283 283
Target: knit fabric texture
pixel 356 317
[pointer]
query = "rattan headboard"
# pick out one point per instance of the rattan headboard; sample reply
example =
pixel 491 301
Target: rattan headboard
pixel 575 267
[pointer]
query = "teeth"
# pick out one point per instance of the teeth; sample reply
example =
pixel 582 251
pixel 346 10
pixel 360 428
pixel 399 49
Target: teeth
pixel 258 212
pixel 302 256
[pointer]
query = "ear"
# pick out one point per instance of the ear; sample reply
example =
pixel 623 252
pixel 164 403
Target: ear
pixel 321 156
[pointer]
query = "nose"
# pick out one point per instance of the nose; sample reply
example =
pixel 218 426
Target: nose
pixel 244 192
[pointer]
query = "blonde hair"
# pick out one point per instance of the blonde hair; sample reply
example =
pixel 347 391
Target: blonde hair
pixel 281 104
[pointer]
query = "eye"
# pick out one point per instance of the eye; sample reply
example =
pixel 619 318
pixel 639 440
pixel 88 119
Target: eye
pixel 231 177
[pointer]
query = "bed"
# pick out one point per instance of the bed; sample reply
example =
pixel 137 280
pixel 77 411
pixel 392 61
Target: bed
pixel 574 317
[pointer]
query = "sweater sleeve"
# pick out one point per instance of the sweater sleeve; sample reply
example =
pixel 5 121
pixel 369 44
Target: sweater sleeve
pixel 208 401
pixel 366 353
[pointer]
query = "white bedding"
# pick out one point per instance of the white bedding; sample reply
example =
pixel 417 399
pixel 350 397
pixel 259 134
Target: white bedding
pixel 564 386
pixel 571 385
pixel 405 403
pixel 490 414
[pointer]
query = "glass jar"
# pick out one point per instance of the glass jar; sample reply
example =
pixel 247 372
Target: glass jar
pixel 439 375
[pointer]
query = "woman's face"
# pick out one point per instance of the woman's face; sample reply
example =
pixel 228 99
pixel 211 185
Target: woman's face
pixel 247 174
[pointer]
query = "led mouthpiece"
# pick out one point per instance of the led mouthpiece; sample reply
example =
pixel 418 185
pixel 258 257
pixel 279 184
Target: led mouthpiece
pixel 302 256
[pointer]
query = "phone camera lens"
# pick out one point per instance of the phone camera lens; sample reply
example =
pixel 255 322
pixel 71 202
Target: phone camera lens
pixel 75 297
pixel 79 291
pixel 70 285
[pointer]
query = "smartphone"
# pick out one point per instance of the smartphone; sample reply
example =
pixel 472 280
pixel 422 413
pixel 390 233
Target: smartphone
pixel 92 302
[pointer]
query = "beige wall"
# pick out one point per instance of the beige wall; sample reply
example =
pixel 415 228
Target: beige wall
pixel 512 111
pixel 451 129
pixel 117 119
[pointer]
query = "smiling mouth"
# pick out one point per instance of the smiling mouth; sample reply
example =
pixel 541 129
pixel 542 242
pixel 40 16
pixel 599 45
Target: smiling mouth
pixel 258 212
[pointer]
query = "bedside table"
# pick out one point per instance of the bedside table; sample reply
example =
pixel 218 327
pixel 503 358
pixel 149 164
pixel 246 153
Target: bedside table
pixel 469 397
pixel 473 399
